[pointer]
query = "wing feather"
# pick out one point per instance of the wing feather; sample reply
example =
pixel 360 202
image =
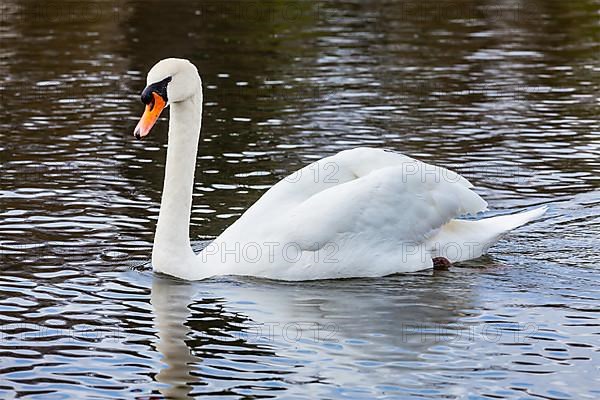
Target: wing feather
pixel 368 202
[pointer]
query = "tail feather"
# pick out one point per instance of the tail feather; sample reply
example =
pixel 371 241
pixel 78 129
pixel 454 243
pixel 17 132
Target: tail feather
pixel 461 240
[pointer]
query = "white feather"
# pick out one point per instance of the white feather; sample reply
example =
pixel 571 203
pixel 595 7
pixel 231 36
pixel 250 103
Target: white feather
pixel 360 213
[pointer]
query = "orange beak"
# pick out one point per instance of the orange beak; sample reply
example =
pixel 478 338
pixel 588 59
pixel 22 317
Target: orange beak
pixel 151 114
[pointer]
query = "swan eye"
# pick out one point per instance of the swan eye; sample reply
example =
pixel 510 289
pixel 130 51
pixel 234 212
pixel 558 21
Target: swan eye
pixel 159 88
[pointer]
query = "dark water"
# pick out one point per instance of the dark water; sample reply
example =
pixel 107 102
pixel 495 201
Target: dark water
pixel 506 93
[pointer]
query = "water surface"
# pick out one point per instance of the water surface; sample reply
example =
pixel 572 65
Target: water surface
pixel 505 93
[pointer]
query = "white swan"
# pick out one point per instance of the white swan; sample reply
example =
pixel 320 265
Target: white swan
pixel 360 213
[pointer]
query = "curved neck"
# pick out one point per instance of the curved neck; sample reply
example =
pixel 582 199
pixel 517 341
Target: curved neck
pixel 172 239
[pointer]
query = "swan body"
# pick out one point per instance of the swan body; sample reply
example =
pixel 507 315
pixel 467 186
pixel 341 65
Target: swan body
pixel 363 212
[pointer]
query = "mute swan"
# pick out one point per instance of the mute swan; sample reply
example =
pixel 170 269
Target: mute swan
pixel 360 213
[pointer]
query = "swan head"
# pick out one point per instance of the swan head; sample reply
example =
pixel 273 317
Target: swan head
pixel 171 80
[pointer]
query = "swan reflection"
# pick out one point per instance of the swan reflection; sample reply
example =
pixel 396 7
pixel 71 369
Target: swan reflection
pixel 391 323
pixel 170 300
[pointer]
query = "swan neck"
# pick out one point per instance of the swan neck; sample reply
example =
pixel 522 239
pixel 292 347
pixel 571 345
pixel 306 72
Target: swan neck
pixel 172 231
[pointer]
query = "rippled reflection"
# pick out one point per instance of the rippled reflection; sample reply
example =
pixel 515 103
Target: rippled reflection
pixel 170 301
pixel 503 92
